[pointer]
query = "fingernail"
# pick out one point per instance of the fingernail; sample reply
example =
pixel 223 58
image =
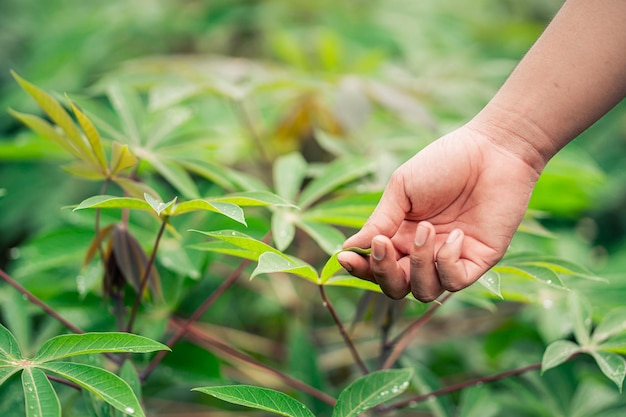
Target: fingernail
pixel 378 250
pixel 454 235
pixel 421 234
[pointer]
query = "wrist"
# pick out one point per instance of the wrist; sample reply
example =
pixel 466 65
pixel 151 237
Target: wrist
pixel 516 134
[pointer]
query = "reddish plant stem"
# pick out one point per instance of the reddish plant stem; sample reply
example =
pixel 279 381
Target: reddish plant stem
pixel 45 307
pixel 145 277
pixel 342 330
pixel 460 386
pixel 234 353
pixel 402 341
pixel 64 382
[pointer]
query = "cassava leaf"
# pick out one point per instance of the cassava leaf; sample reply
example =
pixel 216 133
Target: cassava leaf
pixel 41 400
pixel 92 135
pixel 121 158
pixel 109 201
pixel 327 237
pixel 331 267
pixel 370 391
pixel 352 282
pixel 253 198
pixel 270 262
pixel 612 324
pixel 613 366
pixel 64 346
pixel 557 353
pixel 491 281
pixel 243 241
pixel 259 398
pixel 100 382
pixel 225 248
pixel 283 227
pixel 227 209
pixel 289 171
pixel 157 205
pixel 9 348
pixel 6 371
pixel 580 313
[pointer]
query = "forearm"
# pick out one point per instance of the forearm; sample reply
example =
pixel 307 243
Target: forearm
pixel 574 74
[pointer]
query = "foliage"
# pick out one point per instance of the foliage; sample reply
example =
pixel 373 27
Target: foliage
pixel 183 175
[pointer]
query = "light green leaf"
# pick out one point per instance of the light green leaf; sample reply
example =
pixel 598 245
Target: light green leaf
pixel 121 158
pixel 128 373
pixel 352 282
pixel 327 237
pixel 337 173
pixel 241 240
pixel 9 348
pixel 135 188
pixel 259 398
pixel 253 198
pixel 283 227
pixel 225 248
pixel 331 267
pixel 6 371
pixel 477 402
pixel 41 400
pixel 544 275
pixel 557 353
pixel 67 345
pixel 580 312
pixel 351 210
pixel 370 391
pixel 289 172
pixel 128 107
pixel 271 262
pixel 85 170
pixel 227 209
pixel 611 365
pixel 92 135
pixel 612 324
pixel 157 205
pixel 491 281
pixel 109 201
pixel 174 174
pixel 100 382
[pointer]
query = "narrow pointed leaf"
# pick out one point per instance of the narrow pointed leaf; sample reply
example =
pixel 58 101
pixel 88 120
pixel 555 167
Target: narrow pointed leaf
pixel 109 201
pixel 128 373
pixel 46 130
pixel 352 282
pixel 157 205
pixel 9 348
pixel 134 188
pixel 121 158
pixel 6 371
pixel 254 198
pixel 327 237
pixel 227 209
pixel 41 400
pixel 85 170
pixel 336 174
pixel 64 346
pixel 283 228
pixel 242 240
pixel 289 173
pixel 271 262
pixel 350 210
pixel 259 398
pixel 225 248
pixel 370 391
pixel 612 324
pixel 174 174
pixel 128 107
pixel 613 366
pixel 557 353
pixel 100 382
pixel 331 267
pixel 92 135
pixel 580 312
pixel 544 275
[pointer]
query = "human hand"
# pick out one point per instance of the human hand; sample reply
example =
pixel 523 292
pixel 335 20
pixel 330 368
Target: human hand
pixel 446 216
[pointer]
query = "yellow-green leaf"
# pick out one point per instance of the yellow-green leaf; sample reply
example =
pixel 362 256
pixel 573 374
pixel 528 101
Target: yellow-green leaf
pixel 92 136
pixel 121 158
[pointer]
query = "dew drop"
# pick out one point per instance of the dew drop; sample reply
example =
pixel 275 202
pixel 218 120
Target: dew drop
pixel 233 233
pixel 549 281
pixel 129 410
pixel 325 304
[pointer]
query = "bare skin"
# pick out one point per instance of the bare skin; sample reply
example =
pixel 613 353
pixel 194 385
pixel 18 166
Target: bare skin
pixel 449 213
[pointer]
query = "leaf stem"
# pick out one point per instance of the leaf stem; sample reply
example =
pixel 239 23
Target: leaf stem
pixel 402 341
pixel 145 277
pixel 342 330
pixel 45 307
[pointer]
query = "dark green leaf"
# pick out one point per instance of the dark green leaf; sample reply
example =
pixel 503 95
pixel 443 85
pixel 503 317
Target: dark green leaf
pixel 79 344
pixel 6 371
pixel 260 398
pixel 253 198
pixel 371 390
pixel 41 400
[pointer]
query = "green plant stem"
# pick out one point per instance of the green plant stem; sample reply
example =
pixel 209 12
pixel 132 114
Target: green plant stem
pixel 182 330
pixel 234 353
pixel 342 330
pixel 45 307
pixel 460 386
pixel 145 277
pixel 402 341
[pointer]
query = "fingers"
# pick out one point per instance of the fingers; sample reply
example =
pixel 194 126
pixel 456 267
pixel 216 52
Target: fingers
pixel 453 271
pixel 386 269
pixel 424 277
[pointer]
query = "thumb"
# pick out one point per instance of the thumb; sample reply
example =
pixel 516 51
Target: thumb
pixel 386 218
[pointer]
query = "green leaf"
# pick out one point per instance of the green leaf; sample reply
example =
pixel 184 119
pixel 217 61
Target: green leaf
pixel 611 365
pixel 225 248
pixel 477 401
pixel 128 107
pixel 557 353
pixel 174 174
pixel 544 275
pixel 243 241
pixel 100 382
pixel 41 400
pixel 289 172
pixel 352 282
pixel 612 324
pixel 253 198
pixel 283 227
pixel 92 135
pixel 227 209
pixel 6 371
pixel 67 345
pixel 270 262
pixel 9 348
pixel 157 205
pixel 327 237
pixel 331 267
pixel 336 174
pixel 259 398
pixel 370 391
pixel 121 158
pixel 128 373
pixel 491 281
pixel 424 381
pixel 580 312
pixel 109 201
